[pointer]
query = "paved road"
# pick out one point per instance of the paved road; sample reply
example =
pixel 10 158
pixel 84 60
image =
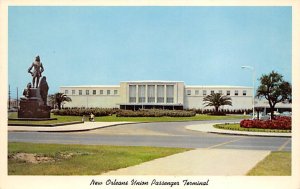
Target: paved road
pixel 169 134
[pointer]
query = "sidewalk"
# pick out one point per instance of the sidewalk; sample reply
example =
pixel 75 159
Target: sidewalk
pixel 208 128
pixel 86 126
pixel 216 162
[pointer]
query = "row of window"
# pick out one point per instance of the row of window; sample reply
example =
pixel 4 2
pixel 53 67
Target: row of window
pixel 93 92
pixel 205 92
pixel 160 94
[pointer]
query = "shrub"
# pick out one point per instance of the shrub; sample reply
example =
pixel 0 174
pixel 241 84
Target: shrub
pixel 155 113
pixel 225 111
pixel 217 113
pixel 123 113
pixel 85 111
pixel 278 122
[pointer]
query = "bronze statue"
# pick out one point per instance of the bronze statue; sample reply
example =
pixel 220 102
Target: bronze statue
pixel 44 89
pixel 37 72
pixel 34 103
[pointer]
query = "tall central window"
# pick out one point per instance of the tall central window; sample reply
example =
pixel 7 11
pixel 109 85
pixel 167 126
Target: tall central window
pixel 160 93
pixel 170 93
pixel 132 93
pixel 142 93
pixel 151 93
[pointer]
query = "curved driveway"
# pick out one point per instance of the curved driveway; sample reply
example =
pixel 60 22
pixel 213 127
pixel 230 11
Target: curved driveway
pixel 163 134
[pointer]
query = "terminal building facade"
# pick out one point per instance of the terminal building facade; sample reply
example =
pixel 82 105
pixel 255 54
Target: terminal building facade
pixel 136 95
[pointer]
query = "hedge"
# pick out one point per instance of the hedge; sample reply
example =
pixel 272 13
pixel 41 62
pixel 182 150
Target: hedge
pixel 155 113
pixel 123 113
pixel 217 114
pixel 85 111
pixel 221 111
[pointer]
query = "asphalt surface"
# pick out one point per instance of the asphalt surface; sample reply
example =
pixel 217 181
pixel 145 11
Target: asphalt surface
pixel 167 134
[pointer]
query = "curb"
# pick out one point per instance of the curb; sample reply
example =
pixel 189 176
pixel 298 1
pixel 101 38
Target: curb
pixel 45 125
pixel 244 134
pixel 31 119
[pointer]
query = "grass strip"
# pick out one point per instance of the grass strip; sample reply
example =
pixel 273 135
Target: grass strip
pixel 237 127
pixel 80 159
pixel 275 164
pixel 114 118
pixel 199 117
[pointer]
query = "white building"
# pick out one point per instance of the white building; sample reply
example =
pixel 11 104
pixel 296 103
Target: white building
pixel 154 94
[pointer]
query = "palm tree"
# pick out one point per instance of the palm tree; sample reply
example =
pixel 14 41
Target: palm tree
pixel 59 98
pixel 217 100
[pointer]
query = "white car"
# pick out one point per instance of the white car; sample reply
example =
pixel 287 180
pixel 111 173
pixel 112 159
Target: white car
pixel 275 113
pixel 288 114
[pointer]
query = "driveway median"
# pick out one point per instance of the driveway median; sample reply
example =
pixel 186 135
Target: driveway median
pixel 209 128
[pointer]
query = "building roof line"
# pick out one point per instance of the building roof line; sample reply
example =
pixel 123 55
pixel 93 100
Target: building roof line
pixel 89 86
pixel 216 86
pixel 152 81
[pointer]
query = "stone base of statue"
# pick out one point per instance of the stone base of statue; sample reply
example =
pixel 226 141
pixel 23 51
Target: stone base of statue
pixel 33 106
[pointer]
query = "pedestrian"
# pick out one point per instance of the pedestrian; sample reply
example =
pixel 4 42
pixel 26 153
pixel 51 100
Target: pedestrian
pixel 92 117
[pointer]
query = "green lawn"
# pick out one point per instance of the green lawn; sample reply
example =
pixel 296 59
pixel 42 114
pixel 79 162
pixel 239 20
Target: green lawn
pixel 60 119
pixel 80 159
pixel 276 164
pixel 113 118
pixel 237 127
pixel 166 119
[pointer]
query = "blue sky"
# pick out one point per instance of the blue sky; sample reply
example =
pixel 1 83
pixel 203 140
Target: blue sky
pixel 106 45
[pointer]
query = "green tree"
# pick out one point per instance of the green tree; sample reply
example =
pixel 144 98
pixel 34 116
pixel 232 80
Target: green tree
pixel 217 100
pixel 274 89
pixel 59 98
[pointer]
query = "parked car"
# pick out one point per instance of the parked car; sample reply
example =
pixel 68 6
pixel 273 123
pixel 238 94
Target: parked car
pixel 288 114
pixel 12 110
pixel 262 116
pixel 265 117
pixel 275 113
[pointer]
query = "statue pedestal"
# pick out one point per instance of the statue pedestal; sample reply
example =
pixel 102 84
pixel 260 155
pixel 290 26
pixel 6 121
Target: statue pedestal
pixel 33 106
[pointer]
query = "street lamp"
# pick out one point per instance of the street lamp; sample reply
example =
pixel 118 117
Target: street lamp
pixel 253 78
